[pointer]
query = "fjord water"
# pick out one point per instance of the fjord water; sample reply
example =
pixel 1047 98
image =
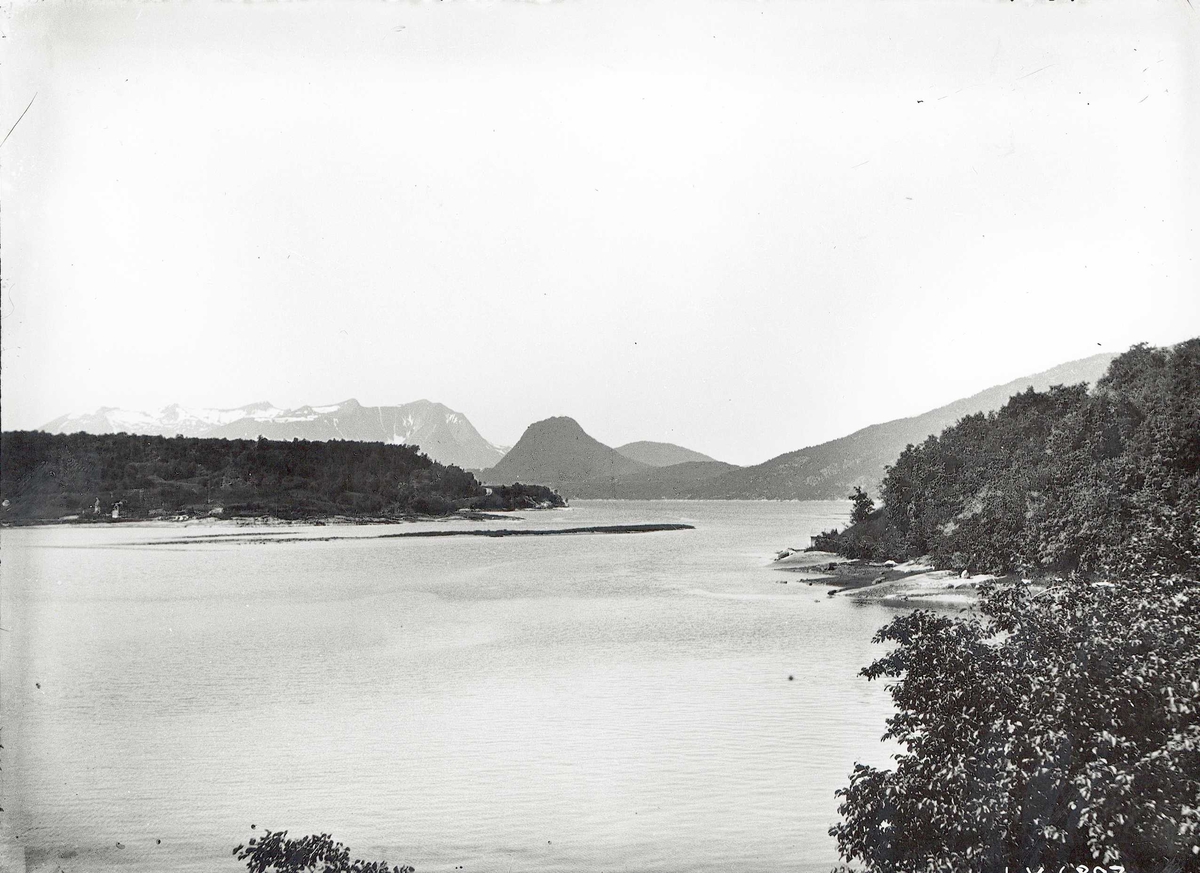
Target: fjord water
pixel 566 703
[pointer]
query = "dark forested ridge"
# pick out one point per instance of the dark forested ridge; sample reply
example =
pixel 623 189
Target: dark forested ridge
pixel 48 476
pixel 1056 481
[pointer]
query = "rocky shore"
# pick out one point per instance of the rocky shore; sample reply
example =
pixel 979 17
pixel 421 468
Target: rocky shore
pixel 912 583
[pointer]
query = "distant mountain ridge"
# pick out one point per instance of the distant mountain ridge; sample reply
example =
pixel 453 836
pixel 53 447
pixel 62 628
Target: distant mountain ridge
pixel 558 451
pixel 660 454
pixel 830 470
pixel 446 436
pixel 656 483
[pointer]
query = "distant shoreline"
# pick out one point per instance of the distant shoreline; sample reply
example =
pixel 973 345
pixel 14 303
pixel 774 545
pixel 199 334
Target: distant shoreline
pixel 257 538
pixel 269 520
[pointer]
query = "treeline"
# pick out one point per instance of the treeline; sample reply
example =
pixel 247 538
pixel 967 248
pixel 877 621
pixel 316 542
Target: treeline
pixel 518 496
pixel 1060 481
pixel 48 476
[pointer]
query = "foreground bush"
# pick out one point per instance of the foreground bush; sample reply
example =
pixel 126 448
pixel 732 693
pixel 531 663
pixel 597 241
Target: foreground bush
pixel 1062 730
pixel 273 852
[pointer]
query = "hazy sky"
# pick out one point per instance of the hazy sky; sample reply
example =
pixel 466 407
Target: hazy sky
pixel 741 226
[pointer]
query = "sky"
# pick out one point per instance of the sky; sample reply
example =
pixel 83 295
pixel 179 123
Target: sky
pixel 744 227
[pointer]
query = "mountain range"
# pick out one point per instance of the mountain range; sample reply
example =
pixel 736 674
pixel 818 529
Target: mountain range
pixel 559 453
pixel 660 454
pixel 829 471
pixel 444 435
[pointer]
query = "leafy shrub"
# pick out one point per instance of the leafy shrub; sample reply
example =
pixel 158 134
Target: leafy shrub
pixel 519 496
pixel 431 505
pixel 872 539
pixel 1062 730
pixel 273 851
pixel 863 505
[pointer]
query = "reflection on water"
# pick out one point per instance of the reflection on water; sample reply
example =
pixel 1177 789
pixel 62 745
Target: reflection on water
pixel 525 704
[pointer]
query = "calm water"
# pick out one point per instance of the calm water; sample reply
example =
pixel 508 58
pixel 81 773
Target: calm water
pixel 527 704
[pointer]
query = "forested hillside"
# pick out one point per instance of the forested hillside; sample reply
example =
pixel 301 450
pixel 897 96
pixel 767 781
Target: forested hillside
pixel 47 476
pixel 1057 728
pixel 829 470
pixel 1062 480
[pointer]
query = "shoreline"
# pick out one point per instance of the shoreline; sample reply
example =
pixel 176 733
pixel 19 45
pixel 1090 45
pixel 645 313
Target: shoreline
pixel 275 520
pixel 912 583
pixel 258 538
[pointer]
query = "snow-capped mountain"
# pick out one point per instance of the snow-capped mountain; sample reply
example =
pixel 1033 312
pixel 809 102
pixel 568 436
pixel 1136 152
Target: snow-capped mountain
pixel 168 421
pixel 443 434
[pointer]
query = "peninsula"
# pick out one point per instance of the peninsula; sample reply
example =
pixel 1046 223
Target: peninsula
pixel 82 477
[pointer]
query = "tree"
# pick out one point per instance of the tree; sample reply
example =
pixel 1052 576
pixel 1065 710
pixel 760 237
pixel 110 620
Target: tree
pixel 863 506
pixel 1062 729
pixel 273 852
